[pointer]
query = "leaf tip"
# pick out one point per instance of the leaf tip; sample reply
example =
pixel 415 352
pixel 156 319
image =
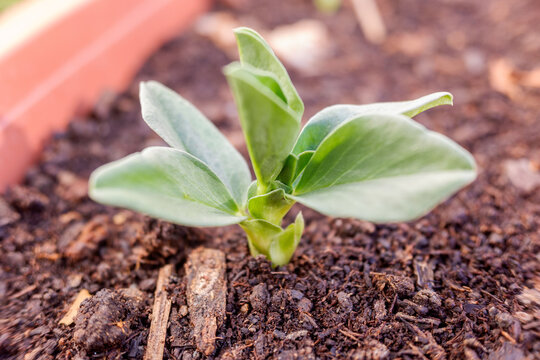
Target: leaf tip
pixel 447 99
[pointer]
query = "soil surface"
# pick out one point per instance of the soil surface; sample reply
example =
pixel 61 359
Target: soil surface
pixel 461 283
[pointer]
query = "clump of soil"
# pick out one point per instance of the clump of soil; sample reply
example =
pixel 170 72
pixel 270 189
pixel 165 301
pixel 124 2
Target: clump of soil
pixel 107 318
pixel 462 282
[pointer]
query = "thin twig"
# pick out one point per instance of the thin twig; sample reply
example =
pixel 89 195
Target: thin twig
pixel 160 316
pixel 370 20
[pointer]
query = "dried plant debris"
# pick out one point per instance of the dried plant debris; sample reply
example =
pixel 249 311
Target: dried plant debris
pixel 206 295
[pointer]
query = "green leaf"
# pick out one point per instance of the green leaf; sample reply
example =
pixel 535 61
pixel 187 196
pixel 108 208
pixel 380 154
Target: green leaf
pixel 320 125
pixel 286 176
pixel 284 244
pixel 303 160
pixel 260 234
pixel 269 126
pixel 383 168
pixel 271 206
pixel 270 240
pixel 168 184
pixel 184 127
pixel 254 51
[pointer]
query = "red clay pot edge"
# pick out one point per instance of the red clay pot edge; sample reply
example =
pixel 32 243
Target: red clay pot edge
pixel 105 43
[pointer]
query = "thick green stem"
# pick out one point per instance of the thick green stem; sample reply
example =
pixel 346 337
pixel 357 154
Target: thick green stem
pixel 267 207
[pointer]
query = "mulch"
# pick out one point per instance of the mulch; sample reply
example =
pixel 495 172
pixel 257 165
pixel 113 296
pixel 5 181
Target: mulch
pixel 463 282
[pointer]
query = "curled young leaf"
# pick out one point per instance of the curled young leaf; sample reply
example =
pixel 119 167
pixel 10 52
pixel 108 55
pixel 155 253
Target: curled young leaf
pixel 184 127
pixel 168 184
pixel 320 125
pixel 260 234
pixel 284 244
pixel 254 50
pixel 272 241
pixel 272 206
pixel 287 174
pixel 269 126
pixel 383 168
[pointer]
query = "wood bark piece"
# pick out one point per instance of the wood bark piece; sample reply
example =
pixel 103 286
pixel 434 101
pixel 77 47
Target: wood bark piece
pixel 206 295
pixel 370 20
pixel 74 308
pixel 160 316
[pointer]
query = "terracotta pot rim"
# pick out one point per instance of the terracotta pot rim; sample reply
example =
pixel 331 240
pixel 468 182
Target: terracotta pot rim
pixel 103 44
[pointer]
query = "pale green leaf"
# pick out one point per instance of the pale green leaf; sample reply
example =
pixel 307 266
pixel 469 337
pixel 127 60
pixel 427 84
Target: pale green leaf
pixel 284 244
pixel 287 174
pixel 254 50
pixel 270 128
pixel 184 127
pixel 271 206
pixel 383 168
pixel 166 183
pixel 322 123
pixel 260 234
pixel 303 159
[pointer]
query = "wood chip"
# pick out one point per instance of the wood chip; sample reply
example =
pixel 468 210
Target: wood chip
pixel 87 241
pixel 160 316
pixel 74 308
pixel 370 20
pixel 523 174
pixel 424 273
pixel 206 295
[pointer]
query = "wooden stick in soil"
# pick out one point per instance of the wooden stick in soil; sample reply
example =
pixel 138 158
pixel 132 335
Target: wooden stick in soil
pixel 370 20
pixel 160 316
pixel 206 295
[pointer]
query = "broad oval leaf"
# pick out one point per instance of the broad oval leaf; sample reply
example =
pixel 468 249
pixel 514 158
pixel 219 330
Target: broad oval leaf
pixel 322 123
pixel 383 168
pixel 166 183
pixel 254 50
pixel 269 126
pixel 184 127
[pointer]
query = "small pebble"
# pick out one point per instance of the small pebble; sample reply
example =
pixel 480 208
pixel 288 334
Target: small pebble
pixel 259 297
pixel 344 301
pixel 297 334
pixel 183 311
pixel 305 305
pixel 279 334
pixel 296 295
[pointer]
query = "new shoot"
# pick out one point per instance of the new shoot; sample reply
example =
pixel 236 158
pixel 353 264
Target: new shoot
pixel 370 162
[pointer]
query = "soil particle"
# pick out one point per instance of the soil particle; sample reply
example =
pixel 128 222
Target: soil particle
pixel 106 319
pixel 371 350
pixel 403 286
pixel 87 239
pixel 380 309
pixel 259 298
pixel 305 305
pixel 7 214
pixel 26 198
pixel 507 351
pixel 428 298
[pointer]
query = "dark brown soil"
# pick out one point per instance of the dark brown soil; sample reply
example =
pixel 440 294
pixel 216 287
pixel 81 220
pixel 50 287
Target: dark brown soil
pixel 461 283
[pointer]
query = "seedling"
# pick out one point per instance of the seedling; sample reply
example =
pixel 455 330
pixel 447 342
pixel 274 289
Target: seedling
pixel 369 162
